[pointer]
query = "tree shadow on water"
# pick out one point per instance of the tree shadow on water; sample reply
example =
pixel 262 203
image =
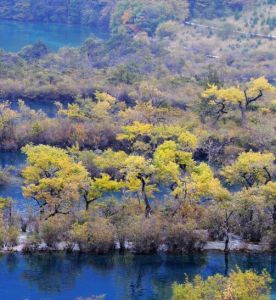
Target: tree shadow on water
pixel 51 272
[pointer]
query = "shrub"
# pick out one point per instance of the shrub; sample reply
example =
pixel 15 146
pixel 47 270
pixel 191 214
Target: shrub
pixel 183 237
pixel 12 234
pixel 32 242
pixel 273 106
pixel 239 285
pixel 2 236
pixel 144 232
pixel 8 236
pixel 79 234
pixel 268 241
pixel 54 230
pixel 96 235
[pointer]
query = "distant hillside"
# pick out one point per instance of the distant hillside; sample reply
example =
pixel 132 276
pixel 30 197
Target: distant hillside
pixel 99 12
pixel 58 11
pixel 133 16
pixel 235 37
pixel 217 8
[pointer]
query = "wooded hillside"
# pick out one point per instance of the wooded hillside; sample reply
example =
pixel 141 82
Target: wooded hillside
pixel 99 12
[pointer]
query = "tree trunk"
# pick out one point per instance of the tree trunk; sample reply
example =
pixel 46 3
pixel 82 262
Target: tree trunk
pixel 148 209
pixel 226 245
pixel 251 213
pixel 274 214
pixel 41 212
pixel 226 233
pixel 87 203
pixel 243 115
pixel 10 213
pixel 226 263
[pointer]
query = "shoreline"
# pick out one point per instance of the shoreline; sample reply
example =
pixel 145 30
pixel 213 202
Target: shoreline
pixel 218 246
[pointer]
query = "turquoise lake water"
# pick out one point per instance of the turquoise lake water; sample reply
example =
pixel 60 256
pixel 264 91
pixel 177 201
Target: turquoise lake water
pixel 69 276
pixel 15 35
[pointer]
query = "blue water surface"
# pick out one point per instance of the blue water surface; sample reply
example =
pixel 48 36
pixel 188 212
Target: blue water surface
pixel 14 35
pixel 14 162
pixel 118 277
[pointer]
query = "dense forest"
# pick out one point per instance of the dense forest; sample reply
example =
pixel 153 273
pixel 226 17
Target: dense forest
pixel 99 12
pixel 164 136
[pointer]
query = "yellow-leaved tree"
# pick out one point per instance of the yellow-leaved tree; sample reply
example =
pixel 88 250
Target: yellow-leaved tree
pixel 101 178
pixel 253 172
pixel 250 168
pixel 145 137
pixel 90 109
pixel 225 98
pixel 187 179
pixel 53 179
pixel 268 191
pixel 134 172
pixel 239 285
pixel 98 186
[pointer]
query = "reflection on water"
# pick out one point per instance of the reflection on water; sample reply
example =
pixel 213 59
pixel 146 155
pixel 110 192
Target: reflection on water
pixel 12 189
pixel 15 35
pixel 12 159
pixel 68 276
